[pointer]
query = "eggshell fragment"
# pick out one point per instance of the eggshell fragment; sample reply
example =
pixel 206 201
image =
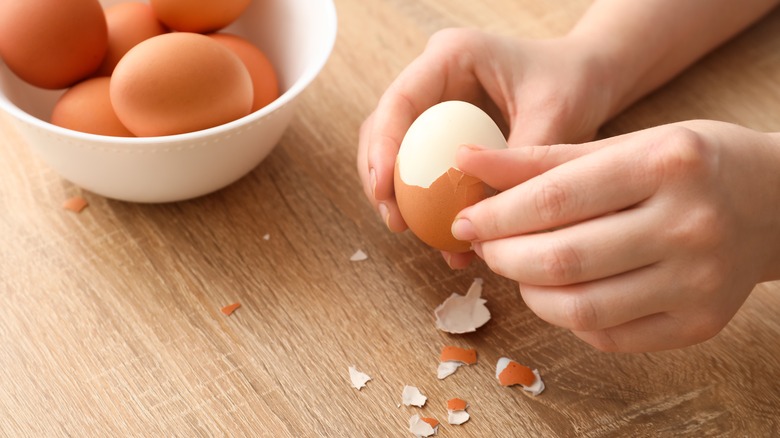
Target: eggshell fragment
pixel 509 373
pixel 429 187
pixel 52 43
pixel 359 256
pixel 411 396
pixel 423 426
pixel 452 358
pixel 358 378
pixel 456 411
pixel 75 204
pixel 86 107
pixel 179 82
pixel 230 308
pixel 453 353
pixel 463 314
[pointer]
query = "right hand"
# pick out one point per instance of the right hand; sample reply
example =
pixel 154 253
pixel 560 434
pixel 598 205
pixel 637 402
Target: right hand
pixel 539 91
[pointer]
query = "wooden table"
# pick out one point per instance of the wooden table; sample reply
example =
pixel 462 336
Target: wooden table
pixel 110 321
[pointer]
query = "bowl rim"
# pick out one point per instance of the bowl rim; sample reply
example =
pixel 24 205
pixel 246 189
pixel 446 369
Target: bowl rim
pixel 311 71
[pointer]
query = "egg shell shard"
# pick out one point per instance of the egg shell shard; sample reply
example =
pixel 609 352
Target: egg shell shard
pixel 448 368
pixel 463 314
pixel 509 373
pixel 456 404
pixel 429 187
pixel 453 353
pixel 358 378
pixel 423 426
pixel 411 396
pixel 75 204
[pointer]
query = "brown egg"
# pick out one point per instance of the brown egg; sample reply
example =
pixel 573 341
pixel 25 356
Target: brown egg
pixel 128 24
pixel 430 211
pixel 179 82
pixel 429 188
pixel 264 81
pixel 52 43
pixel 198 15
pixel 86 107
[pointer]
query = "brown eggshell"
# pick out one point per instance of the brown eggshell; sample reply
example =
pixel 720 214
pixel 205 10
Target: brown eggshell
pixel 86 107
pixel 198 15
pixel 128 24
pixel 52 43
pixel 429 212
pixel 179 82
pixel 264 80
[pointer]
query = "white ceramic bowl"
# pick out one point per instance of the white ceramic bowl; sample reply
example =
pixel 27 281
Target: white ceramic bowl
pixel 296 35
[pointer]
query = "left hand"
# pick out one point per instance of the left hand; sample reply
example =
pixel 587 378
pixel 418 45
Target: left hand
pixel 647 241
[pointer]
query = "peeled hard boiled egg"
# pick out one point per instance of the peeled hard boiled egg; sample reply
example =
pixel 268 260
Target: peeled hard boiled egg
pixel 429 188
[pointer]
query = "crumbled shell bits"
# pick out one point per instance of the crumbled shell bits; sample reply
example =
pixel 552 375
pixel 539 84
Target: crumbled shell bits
pixel 230 308
pixel 75 204
pixel 423 426
pixel 411 396
pixel 510 373
pixel 456 411
pixel 463 314
pixel 452 358
pixel 358 378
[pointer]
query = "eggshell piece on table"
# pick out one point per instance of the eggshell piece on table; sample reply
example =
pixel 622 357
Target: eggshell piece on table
pixel 423 426
pixel 86 107
pixel 453 353
pixel 429 188
pixel 128 24
pixel 463 314
pixel 179 82
pixel 264 80
pixel 52 43
pixel 358 378
pixel 411 396
pixel 198 15
pixel 510 372
pixel 456 411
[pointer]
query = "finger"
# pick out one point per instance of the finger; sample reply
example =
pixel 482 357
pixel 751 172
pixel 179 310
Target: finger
pixel 503 169
pixel 458 260
pixel 417 88
pixel 367 177
pixel 604 181
pixel 606 303
pixel 387 208
pixel 657 332
pixel 590 250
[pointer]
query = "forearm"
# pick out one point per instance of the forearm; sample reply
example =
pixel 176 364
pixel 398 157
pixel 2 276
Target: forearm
pixel 643 44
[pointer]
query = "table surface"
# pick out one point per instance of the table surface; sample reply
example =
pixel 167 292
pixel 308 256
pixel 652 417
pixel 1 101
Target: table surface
pixel 110 319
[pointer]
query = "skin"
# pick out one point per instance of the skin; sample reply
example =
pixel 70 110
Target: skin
pixel 661 259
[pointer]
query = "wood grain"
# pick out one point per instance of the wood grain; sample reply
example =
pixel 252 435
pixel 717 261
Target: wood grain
pixel 110 321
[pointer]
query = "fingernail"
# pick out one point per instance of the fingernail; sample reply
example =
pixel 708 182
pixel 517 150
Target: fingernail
pixel 463 229
pixel 477 248
pixel 384 213
pixel 472 147
pixel 447 258
pixel 372 181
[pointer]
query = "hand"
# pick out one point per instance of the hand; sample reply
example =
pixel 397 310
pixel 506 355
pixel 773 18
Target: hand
pixel 647 241
pixel 543 92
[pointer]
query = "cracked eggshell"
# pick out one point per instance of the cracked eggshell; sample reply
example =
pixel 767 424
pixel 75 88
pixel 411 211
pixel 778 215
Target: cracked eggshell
pixel 429 188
